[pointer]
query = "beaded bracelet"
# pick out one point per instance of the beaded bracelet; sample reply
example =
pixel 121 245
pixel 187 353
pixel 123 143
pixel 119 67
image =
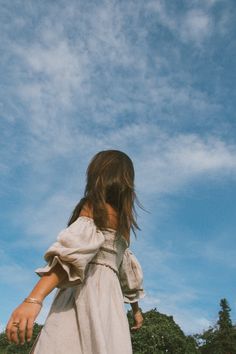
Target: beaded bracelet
pixel 33 301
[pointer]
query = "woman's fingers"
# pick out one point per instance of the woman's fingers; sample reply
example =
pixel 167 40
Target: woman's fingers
pixel 7 330
pixel 137 326
pixel 29 329
pixel 22 328
pixel 12 330
pixel 21 333
pixel 24 315
pixel 134 328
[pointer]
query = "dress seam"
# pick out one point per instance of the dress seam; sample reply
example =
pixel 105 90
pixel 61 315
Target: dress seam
pixel 107 265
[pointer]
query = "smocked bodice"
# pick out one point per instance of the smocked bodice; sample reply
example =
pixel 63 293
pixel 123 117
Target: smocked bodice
pixel 112 250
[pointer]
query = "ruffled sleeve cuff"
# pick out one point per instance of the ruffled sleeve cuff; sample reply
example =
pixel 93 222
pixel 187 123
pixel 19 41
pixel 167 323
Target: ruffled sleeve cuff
pixel 74 249
pixel 74 276
pixel 131 278
pixel 134 296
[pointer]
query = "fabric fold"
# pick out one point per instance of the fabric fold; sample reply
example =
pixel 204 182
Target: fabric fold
pixel 131 278
pixel 74 248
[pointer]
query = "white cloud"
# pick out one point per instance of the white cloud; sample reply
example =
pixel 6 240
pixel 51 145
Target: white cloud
pixel 172 161
pixel 63 72
pixel 215 250
pixel 167 288
pixel 65 68
pixel 14 274
pixel 210 3
pixel 42 222
pixel 166 163
pixel 62 88
pixel 191 320
pixel 61 68
pixel 193 25
pixel 159 6
pixel 196 26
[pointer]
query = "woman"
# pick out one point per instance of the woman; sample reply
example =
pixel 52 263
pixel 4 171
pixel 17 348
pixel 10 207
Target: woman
pixel 92 268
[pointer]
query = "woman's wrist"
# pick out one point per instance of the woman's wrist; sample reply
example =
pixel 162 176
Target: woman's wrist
pixel 33 300
pixel 137 311
pixel 36 294
pixel 135 307
pixel 48 282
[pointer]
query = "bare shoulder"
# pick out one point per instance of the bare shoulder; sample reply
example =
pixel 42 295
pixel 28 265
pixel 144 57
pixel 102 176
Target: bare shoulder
pixel 87 210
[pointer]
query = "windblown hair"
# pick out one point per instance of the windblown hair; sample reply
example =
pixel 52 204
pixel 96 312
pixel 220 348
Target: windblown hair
pixel 110 179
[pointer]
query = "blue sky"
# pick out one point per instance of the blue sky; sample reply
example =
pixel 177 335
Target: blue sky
pixel 155 79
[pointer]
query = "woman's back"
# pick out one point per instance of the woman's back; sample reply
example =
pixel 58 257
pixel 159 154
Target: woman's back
pixel 112 215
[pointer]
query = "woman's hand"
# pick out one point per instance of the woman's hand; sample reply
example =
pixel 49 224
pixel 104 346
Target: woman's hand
pixel 138 320
pixel 25 314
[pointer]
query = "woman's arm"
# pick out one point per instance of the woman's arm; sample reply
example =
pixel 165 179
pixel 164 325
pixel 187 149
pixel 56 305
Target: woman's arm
pixel 134 306
pixel 26 313
pixel 48 282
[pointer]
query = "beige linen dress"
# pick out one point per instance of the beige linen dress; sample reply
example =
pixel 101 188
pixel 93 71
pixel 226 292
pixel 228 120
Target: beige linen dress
pixel 87 315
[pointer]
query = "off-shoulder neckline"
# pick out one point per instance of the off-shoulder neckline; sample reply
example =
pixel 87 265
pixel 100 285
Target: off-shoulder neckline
pixel 88 217
pixel 108 228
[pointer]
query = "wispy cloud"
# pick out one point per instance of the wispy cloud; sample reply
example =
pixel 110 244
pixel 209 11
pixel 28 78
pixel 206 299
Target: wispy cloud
pixel 197 25
pixel 194 25
pixel 10 274
pixel 63 73
pixel 218 251
pixel 70 107
pixel 169 291
pixel 166 163
pixel 190 320
pixel 172 161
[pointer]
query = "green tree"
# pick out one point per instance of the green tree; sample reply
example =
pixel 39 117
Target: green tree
pixel 207 341
pixel 160 334
pixel 224 321
pixel 221 338
pixel 226 335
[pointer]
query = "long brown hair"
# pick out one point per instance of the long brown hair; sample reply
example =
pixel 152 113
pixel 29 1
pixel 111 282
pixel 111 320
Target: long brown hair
pixel 110 179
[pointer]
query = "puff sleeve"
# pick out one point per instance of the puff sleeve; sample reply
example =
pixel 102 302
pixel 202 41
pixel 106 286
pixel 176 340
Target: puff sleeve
pixel 74 248
pixel 131 278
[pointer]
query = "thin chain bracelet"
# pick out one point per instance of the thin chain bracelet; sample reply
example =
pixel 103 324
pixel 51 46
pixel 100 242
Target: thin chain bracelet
pixel 33 301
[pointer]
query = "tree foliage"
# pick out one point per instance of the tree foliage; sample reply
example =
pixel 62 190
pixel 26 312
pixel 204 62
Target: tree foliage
pixel 10 348
pixel 160 334
pixel 221 338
